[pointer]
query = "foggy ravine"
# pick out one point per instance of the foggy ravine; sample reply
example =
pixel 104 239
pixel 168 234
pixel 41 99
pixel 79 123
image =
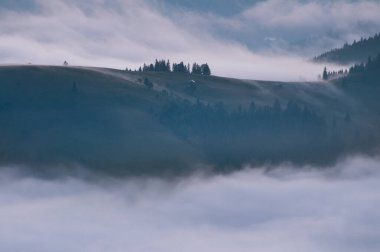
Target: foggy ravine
pixel 281 209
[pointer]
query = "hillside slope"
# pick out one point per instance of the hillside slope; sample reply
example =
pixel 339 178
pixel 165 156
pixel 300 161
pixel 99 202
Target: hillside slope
pixel 108 120
pixel 357 52
pixel 100 121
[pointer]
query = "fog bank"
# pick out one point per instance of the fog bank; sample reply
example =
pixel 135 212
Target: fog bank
pixel 128 33
pixel 284 209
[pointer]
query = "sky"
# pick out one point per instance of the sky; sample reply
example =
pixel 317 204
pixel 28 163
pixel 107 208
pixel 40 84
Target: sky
pixel 282 210
pixel 238 38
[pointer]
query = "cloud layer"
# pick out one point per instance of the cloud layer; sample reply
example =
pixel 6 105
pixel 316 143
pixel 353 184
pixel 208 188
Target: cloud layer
pixel 309 26
pixel 281 210
pixel 256 42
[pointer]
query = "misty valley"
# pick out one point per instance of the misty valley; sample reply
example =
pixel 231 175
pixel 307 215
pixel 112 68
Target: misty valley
pixel 203 125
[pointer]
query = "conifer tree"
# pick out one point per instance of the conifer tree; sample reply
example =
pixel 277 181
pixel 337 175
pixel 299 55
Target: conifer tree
pixel 324 75
pixel 205 69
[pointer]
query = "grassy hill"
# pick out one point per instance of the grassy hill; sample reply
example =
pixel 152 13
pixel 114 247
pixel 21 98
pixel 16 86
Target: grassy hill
pixel 357 52
pixel 109 121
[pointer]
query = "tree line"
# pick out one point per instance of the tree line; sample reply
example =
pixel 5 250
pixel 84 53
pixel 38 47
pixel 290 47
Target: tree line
pixel 358 51
pixel 181 67
pixel 371 67
pixel 239 135
pixel 274 132
pixel 327 75
pixel 190 119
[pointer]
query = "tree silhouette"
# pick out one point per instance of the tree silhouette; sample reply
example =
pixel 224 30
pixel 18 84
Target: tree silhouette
pixel 165 66
pixel 196 69
pixel 205 69
pixel 324 75
pixel 179 68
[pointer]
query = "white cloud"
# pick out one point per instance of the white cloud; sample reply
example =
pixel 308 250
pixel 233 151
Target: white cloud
pixel 335 209
pixel 124 33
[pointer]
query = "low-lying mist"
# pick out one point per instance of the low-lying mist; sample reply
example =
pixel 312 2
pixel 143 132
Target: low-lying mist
pixel 278 209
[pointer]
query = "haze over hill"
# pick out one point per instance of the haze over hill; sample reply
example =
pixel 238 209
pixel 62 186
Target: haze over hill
pixel 244 150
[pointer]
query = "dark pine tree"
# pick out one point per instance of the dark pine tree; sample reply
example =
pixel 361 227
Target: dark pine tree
pixel 196 69
pixel 325 75
pixel 205 69
pixel 179 68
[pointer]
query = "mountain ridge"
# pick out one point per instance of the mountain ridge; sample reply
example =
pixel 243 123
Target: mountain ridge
pixel 356 52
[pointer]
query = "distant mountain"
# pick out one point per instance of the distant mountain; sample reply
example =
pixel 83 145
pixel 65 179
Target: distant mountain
pixel 357 52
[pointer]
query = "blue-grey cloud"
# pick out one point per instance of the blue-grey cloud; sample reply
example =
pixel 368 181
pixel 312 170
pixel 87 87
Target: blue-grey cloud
pixel 20 5
pixel 121 33
pixel 281 210
pixel 319 24
pixel 303 27
pixel 124 33
pixel 220 7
